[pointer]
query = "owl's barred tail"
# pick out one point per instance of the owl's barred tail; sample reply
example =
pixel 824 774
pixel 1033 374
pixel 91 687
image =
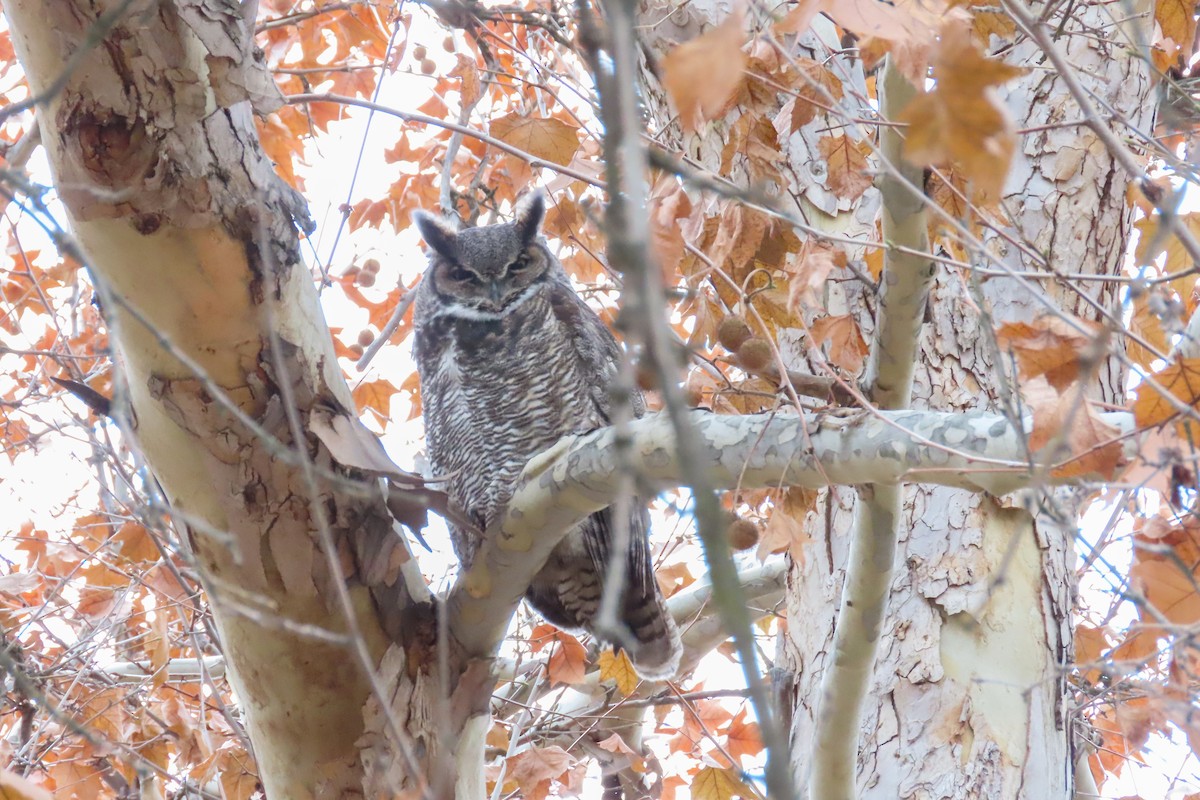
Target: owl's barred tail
pixel 656 648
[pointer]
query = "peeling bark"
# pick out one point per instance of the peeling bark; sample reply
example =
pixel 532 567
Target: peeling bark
pixel 192 242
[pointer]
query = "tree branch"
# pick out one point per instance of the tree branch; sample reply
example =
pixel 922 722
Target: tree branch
pixel 904 291
pixel 580 475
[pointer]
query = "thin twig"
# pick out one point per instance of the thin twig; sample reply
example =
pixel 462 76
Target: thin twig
pixel 532 160
pixel 629 252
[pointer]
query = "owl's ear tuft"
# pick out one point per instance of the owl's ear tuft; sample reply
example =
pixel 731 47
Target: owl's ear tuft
pixel 439 233
pixel 528 215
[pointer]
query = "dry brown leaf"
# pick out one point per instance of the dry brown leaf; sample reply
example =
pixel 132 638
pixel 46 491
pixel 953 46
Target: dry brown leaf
pixel 962 120
pixel 1180 380
pixel 547 138
pixel 676 577
pixel 1156 242
pixel 1090 644
pixel 467 71
pixel 1177 18
pixel 849 171
pixel 815 88
pixel 847 348
pixel 752 141
pixel 77 773
pixel 799 18
pixel 701 721
pixel 989 20
pixel 497 737
pixel 1085 444
pixel 1169 588
pixel 739 235
pixel 158 647
pixel 1124 729
pixel 616 745
pixel 784 532
pixel 808 275
pixel 1049 346
pixel 535 770
pixel 1160 454
pixel 913 21
pixel 668 204
pixel 702 75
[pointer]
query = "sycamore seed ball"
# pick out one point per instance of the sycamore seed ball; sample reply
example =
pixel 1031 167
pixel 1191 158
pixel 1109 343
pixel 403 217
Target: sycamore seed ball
pixel 356 350
pixel 365 337
pixel 742 534
pixel 448 44
pixel 755 353
pixel 732 332
pixel 371 265
pixel 427 66
pixel 366 279
pixel 419 52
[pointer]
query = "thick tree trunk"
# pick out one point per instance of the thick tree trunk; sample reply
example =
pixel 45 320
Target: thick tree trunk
pixel 213 317
pixel 968 697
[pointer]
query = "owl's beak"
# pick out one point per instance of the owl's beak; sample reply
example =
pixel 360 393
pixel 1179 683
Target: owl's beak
pixel 495 292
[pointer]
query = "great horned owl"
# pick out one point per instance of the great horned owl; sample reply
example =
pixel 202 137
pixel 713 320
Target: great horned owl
pixel 511 359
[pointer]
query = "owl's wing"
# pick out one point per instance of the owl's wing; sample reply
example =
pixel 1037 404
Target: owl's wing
pixel 597 350
pixel 600 358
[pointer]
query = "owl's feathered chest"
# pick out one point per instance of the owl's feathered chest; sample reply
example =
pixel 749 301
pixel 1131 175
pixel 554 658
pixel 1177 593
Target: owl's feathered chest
pixel 496 391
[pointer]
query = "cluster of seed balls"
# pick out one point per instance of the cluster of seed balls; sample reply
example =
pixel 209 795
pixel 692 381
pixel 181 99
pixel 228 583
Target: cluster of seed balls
pixel 363 276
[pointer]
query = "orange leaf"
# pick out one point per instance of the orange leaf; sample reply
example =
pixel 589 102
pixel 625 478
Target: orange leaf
pixel 534 770
pixel 702 75
pixel 14 787
pixel 962 120
pixel 1180 379
pixel 1050 346
pixel 743 738
pixel 468 72
pixel 1090 644
pixel 1088 446
pixel 808 275
pixel 568 662
pixel 848 175
pixel 376 395
pixel 816 86
pixel 785 532
pixel 617 667
pixel 546 138
pixel 136 543
pixel 1169 588
pixel 846 345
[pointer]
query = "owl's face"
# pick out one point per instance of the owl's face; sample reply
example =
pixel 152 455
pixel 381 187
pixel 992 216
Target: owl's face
pixel 482 273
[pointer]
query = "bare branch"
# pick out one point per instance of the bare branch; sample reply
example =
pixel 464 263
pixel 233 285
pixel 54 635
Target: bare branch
pixel 904 290
pixel 581 475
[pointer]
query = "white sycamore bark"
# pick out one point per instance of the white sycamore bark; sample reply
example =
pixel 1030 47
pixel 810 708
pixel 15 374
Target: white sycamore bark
pixel 234 395
pixel 966 691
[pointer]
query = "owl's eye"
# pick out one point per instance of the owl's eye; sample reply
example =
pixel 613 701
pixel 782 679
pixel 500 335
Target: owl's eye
pixel 521 263
pixel 460 274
